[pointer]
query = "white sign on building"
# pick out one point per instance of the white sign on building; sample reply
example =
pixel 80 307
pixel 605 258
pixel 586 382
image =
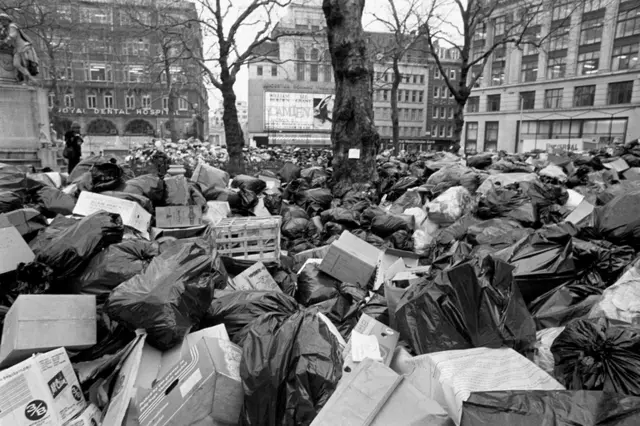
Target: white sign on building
pixel 298 111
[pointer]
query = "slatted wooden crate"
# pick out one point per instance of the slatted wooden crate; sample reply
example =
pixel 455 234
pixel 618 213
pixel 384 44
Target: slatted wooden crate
pixel 251 238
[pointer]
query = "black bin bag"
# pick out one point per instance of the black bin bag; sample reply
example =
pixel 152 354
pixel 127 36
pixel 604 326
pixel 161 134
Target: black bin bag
pixel 170 296
pixel 291 364
pixel 468 305
pixel 550 408
pixel 598 354
pixel 618 221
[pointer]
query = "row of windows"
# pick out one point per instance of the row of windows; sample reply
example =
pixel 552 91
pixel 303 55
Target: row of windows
pixel 437 75
pixel 617 93
pixel 107 100
pixel 405 78
pixel 407 96
pixel 565 129
pixel 441 130
pixel 442 92
pixel 273 72
pixel 404 131
pixel 105 16
pixel 490 136
pixel 304 69
pixel 405 114
pixel 104 72
pixel 442 112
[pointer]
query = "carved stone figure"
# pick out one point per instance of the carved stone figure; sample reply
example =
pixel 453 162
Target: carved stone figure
pixel 25 58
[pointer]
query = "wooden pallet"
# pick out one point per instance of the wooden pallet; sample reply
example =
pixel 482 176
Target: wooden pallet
pixel 250 238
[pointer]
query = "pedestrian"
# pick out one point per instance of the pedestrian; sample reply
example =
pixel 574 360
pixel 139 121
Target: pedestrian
pixel 73 148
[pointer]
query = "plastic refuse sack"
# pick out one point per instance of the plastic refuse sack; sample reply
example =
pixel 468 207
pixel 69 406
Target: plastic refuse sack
pixel 47 234
pixel 401 240
pixel 598 354
pixel 562 304
pixel 554 172
pixel 541 264
pixel 509 202
pixel 480 161
pixel 401 186
pixel 87 164
pixel 542 356
pixel 141 200
pixel 206 176
pixel 547 200
pixel 618 221
pixel 170 296
pixel 242 200
pixel 291 364
pixel 113 266
pixel 618 189
pixel 316 200
pixel 297 228
pixel 448 177
pixel 600 256
pixel 497 233
pixel 505 179
pixel 346 217
pixel 177 192
pixel 273 201
pixel 27 221
pixel 450 206
pixel 291 211
pixel 249 182
pixel 289 172
pixel 10 201
pixel 150 186
pixel 386 224
pixel 12 178
pixel 550 408
pixel 468 305
pixel 316 176
pixel 53 202
pixel 621 301
pixel 106 177
pixel 314 286
pixel 239 308
pixel 408 200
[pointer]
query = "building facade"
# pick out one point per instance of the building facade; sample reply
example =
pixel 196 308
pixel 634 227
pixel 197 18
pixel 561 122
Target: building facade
pixel 581 89
pixel 291 88
pixel 216 123
pixel 106 69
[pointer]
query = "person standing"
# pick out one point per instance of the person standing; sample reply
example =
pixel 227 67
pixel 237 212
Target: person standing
pixel 73 148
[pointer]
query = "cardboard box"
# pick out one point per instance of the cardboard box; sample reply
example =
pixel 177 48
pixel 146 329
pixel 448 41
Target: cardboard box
pixel 351 260
pixel 216 210
pixel 271 182
pixel 39 323
pixel 255 277
pixel 177 190
pixel 178 217
pixel 451 376
pixel 13 250
pixel 580 213
pixel 205 383
pixel 387 340
pixel 90 416
pixel 374 395
pixel 388 258
pixel 132 213
pixel 41 391
pixel 618 165
pixel 315 253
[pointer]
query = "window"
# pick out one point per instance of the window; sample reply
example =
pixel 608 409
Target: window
pixel 131 18
pixel 274 70
pixel 414 115
pixel 328 68
pixel 434 130
pixel 529 70
pixel 436 92
pixel 137 48
pixel 130 102
pixel 591 5
pixel 183 104
pixel 588 63
pixel 98 72
pixel 300 64
pixel 51 99
pixel 625 57
pixel 499 25
pixel 96 15
pixel 480 32
pixel 450 94
pixel 415 78
pixel 64 12
pixel 471 136
pixel 528 100
pixel 450 112
pixel 619 93
pixel 146 101
pixel 436 112
pixel 450 131
pixel 165 103
pixel 407 93
pixel 420 96
pixel 400 95
pixel 476 75
pixel 136 74
pixel 108 100
pixel 473 104
pixel 315 57
pixel 491 136
pixel 69 100
pixel 553 98
pixel 591 31
pixel 442 130
pixel 452 74
pixel 628 23
pixel 414 96
pixel 584 95
pixel 385 95
pixel 436 71
pixel 561 11
pixel 556 67
pixel 259 68
pixel 421 79
pixel 559 40
pixel 493 103
pixel 92 100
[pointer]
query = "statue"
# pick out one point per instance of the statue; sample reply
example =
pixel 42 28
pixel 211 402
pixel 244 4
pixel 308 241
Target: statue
pixel 25 58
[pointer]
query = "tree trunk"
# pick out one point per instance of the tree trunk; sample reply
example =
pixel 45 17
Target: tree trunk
pixel 232 130
pixel 458 121
pixel 172 96
pixel 353 126
pixel 395 120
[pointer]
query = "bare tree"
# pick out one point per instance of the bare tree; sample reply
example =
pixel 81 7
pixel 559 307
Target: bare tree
pixel 402 20
pixel 519 22
pixel 353 127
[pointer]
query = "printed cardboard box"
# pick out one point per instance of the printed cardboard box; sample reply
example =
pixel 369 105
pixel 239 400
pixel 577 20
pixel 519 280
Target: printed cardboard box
pixel 132 213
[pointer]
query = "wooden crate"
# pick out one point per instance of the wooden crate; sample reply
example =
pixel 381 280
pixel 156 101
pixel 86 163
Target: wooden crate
pixel 250 238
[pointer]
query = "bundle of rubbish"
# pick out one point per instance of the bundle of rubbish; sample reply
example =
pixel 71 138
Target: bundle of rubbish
pixel 494 289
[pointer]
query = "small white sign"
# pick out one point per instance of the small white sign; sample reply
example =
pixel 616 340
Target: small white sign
pixel 354 153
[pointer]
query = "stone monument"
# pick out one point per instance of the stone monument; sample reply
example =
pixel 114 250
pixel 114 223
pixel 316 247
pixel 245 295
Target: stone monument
pixel 24 114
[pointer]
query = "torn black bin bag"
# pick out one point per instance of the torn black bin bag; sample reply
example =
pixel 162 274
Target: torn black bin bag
pixel 291 364
pixel 170 297
pixel 550 408
pixel 562 304
pixel 598 354
pixel 468 305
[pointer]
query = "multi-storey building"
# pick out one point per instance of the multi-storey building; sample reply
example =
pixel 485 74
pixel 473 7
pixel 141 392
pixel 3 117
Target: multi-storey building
pixel 441 104
pixel 580 89
pixel 291 88
pixel 105 68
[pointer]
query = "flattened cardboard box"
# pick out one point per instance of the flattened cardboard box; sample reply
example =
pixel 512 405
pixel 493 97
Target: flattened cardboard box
pixel 256 277
pixel 39 323
pixel 387 341
pixel 178 216
pixel 205 383
pixel 351 260
pixel 132 213
pixel 13 249
pixel 41 391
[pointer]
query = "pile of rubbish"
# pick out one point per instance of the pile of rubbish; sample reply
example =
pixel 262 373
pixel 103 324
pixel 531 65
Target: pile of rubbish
pixel 492 290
